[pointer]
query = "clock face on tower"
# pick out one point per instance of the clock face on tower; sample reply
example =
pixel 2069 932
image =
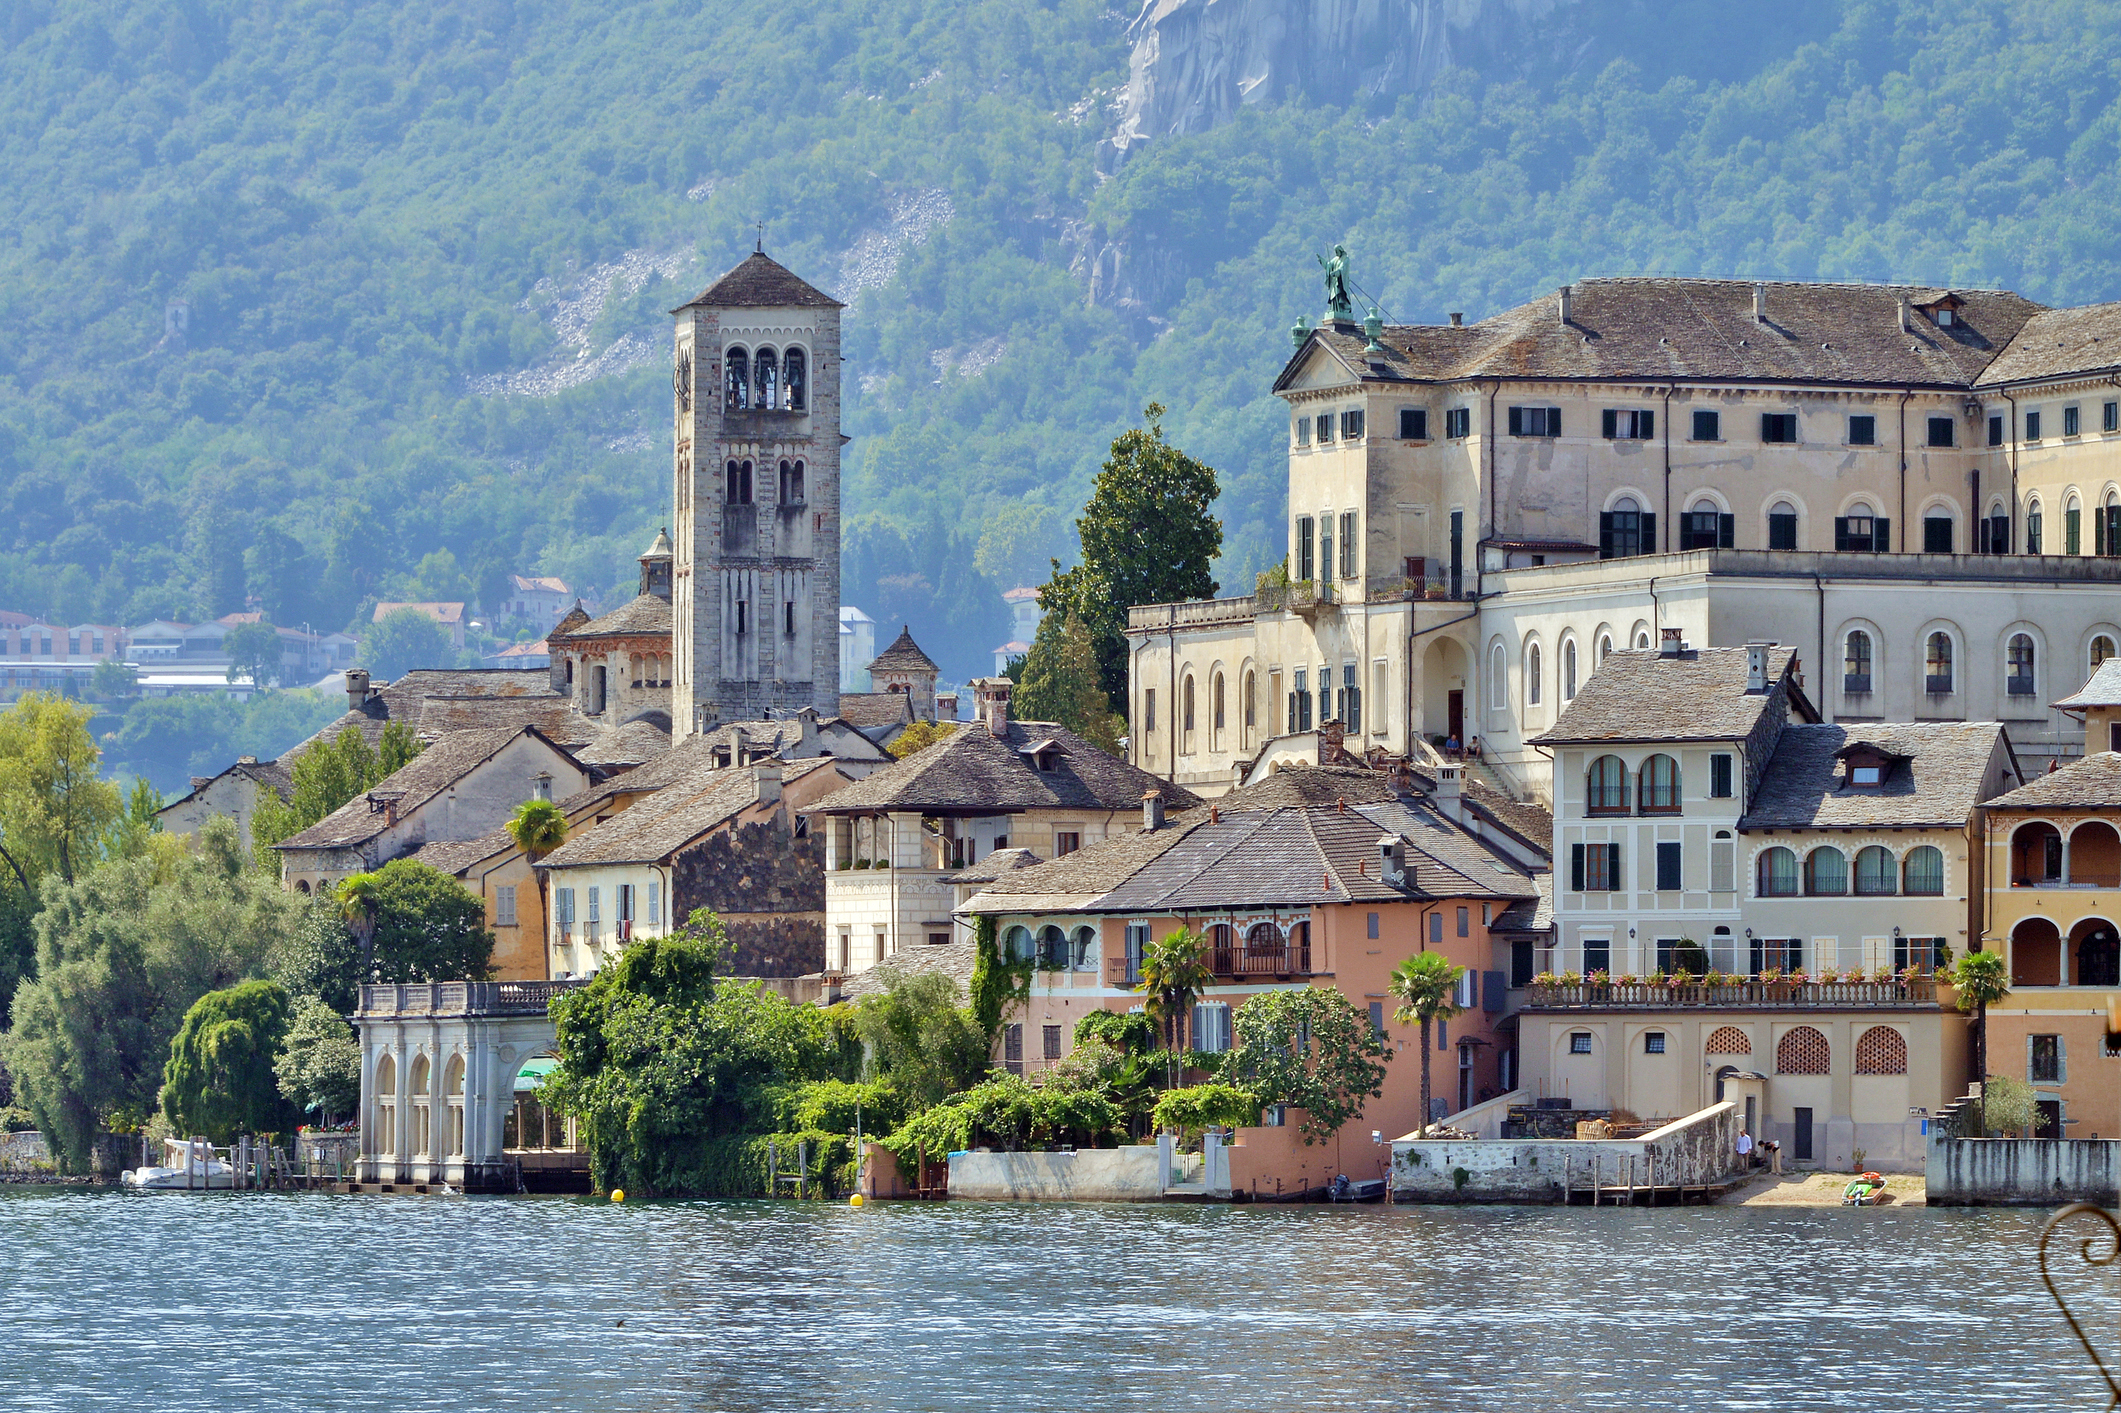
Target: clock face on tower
pixel 681 381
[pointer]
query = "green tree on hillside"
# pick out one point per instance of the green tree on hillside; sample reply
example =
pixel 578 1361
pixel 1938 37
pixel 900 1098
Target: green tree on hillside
pixel 1062 684
pixel 403 639
pixel 253 654
pixel 319 1064
pixel 1146 537
pixel 219 1078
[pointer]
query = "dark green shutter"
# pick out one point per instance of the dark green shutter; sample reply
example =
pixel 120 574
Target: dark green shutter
pixel 1726 531
pixel 1610 421
pixel 1882 535
pixel 1648 425
pixel 1576 868
pixel 1648 543
pixel 1517 421
pixel 1553 421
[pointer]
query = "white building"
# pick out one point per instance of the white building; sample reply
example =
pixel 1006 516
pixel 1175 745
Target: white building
pixel 857 648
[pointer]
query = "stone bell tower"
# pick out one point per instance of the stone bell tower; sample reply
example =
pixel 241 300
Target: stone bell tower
pixel 756 572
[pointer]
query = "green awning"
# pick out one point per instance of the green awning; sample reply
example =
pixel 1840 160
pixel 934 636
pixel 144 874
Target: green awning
pixel 533 1073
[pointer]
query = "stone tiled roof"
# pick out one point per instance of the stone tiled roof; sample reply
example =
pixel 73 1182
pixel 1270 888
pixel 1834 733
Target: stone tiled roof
pixel 876 711
pixel 645 617
pixel 1528 819
pixel 1658 328
pixel 2091 782
pixel 1638 695
pixel 2102 689
pixel 453 856
pixel 425 776
pixel 761 282
pixel 1938 783
pixel 1309 785
pixel 698 800
pixel 1089 873
pixel 973 772
pixel 996 866
pixel 904 655
pixel 629 743
pixel 1529 914
pixel 276 775
pixel 435 700
pixel 952 959
pixel 2056 342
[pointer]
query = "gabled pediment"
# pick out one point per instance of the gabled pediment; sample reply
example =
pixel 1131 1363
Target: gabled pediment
pixel 1315 367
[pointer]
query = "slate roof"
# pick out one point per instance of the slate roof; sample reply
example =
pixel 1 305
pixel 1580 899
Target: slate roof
pixel 1535 915
pixel 1529 820
pixel 1638 695
pixel 1077 880
pixel 697 801
pixel 1658 328
pixel 2056 342
pixel 973 772
pixel 643 738
pixel 904 655
pixel 538 584
pixel 453 856
pixel 2102 689
pixel 996 866
pixel 952 959
pixel 876 711
pixel 1940 782
pixel 2090 782
pixel 647 616
pixel 761 282
pixel 1309 785
pixel 435 769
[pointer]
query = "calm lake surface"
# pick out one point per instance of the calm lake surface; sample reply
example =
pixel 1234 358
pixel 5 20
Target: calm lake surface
pixel 242 1301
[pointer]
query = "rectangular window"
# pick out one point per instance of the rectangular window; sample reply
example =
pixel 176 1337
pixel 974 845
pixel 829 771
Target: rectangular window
pixel 504 906
pixel 1620 424
pixel 1149 710
pixel 1303 431
pixel 1351 426
pixel 1995 431
pixel 1668 861
pixel 1580 1042
pixel 1863 431
pixel 1597 954
pixel 1211 1027
pixel 1325 547
pixel 1720 776
pixel 1377 1018
pixel 1942 434
pixel 1137 946
pixel 625 902
pixel 563 906
pixel 2109 421
pixel 1594 868
pixel 1051 1048
pixel 2069 421
pixel 1708 427
pixel 1347 544
pixel 1782 529
pixel 1373 927
pixel 1535 421
pixel 1782 426
pixel 655 903
pixel 1413 424
pixel 2046 1067
pixel 2032 426
pixel 595 912
pixel 2073 531
pixel 1936 535
pixel 788 619
pixel 1305 566
pixel 1723 863
pixel 1458 422
pixel 1707 529
pixel 1013 1047
pixel 1862 534
pixel 1324 423
pixel 1465 920
pixel 1066 841
pixel 1300 702
pixel 1622 533
pixel 1653 1042
pixel 1350 699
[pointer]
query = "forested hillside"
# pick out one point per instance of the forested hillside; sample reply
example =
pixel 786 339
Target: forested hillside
pixel 294 295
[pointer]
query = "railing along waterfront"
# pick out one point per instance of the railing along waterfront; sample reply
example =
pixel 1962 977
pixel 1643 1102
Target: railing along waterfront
pixel 1738 991
pixel 460 998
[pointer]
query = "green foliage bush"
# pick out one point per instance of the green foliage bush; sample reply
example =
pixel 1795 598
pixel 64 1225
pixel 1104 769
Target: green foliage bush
pixel 1310 1049
pixel 1005 1112
pixel 1200 1106
pixel 219 1078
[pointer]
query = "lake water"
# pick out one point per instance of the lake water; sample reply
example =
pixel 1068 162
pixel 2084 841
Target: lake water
pixel 244 1301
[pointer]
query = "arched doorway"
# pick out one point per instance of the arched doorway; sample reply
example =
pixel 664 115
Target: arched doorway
pixel 1443 690
pixel 2036 854
pixel 2095 953
pixel 2095 854
pixel 2036 953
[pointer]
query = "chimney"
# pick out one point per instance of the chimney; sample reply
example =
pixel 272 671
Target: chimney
pixel 1450 790
pixel 990 704
pixel 768 775
pixel 1907 316
pixel 1562 295
pixel 1458 319
pixel 1756 667
pixel 1759 303
pixel 1152 810
pixel 1668 642
pixel 1392 859
pixel 356 688
pixel 946 706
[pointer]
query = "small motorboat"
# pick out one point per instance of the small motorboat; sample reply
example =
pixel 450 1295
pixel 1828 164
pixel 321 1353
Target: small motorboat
pixel 1368 1190
pixel 187 1166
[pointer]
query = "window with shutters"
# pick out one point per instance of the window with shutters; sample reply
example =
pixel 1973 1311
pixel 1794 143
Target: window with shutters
pixel 1723 863
pixel 1861 532
pixel 1323 423
pixel 1351 426
pixel 563 908
pixel 1708 426
pixel 1303 431
pixel 1347 544
pixel 504 906
pixel 1211 1027
pixel 1050 1048
pixel 1594 868
pixel 2107 521
pixel 1936 534
pixel 2073 530
pixel 1535 422
pixel 1350 699
pixel 1306 565
pixel 1625 530
pixel 2035 530
pixel 1784 954
pixel 1995 431
pixel 1782 527
pixel 595 915
pixel 1941 431
pixel 1937 664
pixel 1705 527
pixel 1670 857
pixel 1995 532
pixel 1720 776
pixel 2069 421
pixel 1137 948
pixel 1621 424
pixel 1863 431
pixel 1413 424
pixel 655 903
pixel 1781 427
pixel 2110 417
pixel 1458 422
pixel 1013 1047
pixel 2032 425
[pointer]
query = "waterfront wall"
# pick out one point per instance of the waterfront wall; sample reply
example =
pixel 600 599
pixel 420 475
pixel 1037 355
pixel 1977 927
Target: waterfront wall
pixel 2035 1172
pixel 1134 1174
pixel 23 1149
pixel 1695 1151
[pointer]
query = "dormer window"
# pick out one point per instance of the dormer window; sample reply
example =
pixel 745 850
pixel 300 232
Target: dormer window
pixel 1043 756
pixel 1866 774
pixel 1866 765
pixel 1945 318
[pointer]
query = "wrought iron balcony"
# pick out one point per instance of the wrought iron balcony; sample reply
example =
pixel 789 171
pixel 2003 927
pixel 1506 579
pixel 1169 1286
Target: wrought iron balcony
pixel 1912 992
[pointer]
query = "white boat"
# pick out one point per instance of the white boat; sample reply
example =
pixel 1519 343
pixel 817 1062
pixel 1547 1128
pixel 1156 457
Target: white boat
pixel 187 1166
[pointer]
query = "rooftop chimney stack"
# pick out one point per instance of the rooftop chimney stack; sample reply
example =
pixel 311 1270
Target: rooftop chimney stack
pixel 1670 642
pixel 1562 305
pixel 946 706
pixel 1392 859
pixel 1152 810
pixel 1907 316
pixel 1756 667
pixel 1458 319
pixel 767 774
pixel 1759 303
pixel 990 696
pixel 1450 790
pixel 356 688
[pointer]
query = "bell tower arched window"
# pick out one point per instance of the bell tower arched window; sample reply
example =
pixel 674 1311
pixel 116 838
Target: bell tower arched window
pixel 738 483
pixel 766 379
pixel 736 380
pixel 795 378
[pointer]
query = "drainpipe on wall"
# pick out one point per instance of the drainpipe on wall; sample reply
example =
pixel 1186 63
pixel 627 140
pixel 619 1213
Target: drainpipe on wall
pixel 1668 390
pixel 1906 530
pixel 2010 449
pixel 1480 565
pixel 1171 714
pixel 1819 586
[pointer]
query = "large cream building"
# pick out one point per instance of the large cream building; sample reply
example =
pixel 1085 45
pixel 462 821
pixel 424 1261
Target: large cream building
pixel 1916 489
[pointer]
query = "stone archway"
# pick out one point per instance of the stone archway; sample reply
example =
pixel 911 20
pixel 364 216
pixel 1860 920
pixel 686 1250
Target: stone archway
pixel 2036 953
pixel 2094 953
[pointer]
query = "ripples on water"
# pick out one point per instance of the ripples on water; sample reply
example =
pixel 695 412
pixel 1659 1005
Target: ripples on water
pixel 243 1301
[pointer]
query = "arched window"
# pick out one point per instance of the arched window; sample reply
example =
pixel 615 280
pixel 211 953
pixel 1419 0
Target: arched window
pixel 1856 663
pixel 1605 650
pixel 1216 706
pixel 1185 714
pixel 1924 872
pixel 1881 1050
pixel 1660 785
pixel 2018 660
pixel 1778 873
pixel 1265 942
pixel 736 380
pixel 1803 1050
pixel 1082 949
pixel 1052 948
pixel 453 1099
pixel 1875 874
pixel 737 483
pixel 1782 526
pixel 1017 945
pixel 1729 1040
pixel 1498 679
pixel 1642 639
pixel 1568 670
pixel 1937 663
pixel 1532 676
pixel 2102 648
pixel 1608 792
pixel 1625 530
pixel 2035 527
pixel 766 379
pixel 422 1108
pixel 795 373
pixel 387 1106
pixel 1826 873
pixel 1251 711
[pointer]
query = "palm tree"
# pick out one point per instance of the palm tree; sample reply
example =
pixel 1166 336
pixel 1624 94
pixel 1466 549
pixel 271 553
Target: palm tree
pixel 538 827
pixel 1427 988
pixel 356 897
pixel 1173 972
pixel 1981 982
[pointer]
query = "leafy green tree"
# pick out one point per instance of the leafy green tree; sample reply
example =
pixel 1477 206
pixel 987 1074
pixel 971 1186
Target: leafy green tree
pixel 437 579
pixel 922 1038
pixel 1309 1048
pixel 113 680
pixel 327 775
pixel 253 654
pixel 219 1078
pixel 319 1065
pixel 919 737
pixel 538 827
pixel 2008 1105
pixel 121 956
pixel 427 926
pixel 1146 537
pixel 403 639
pixel 140 821
pixel 54 804
pixel 1981 979
pixel 1174 970
pixel 1058 680
pixel 1200 1106
pixel 1426 987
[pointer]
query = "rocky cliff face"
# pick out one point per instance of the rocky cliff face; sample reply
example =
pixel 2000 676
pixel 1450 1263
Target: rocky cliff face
pixel 1195 62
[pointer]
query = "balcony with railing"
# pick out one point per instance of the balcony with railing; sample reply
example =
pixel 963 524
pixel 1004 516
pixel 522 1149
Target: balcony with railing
pixel 462 998
pixel 1904 991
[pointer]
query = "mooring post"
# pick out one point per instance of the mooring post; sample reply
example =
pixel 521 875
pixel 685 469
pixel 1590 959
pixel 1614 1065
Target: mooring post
pixel 773 1169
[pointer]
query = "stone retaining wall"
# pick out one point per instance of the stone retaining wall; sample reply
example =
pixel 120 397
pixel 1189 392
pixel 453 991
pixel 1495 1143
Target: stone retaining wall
pixel 1695 1151
pixel 1136 1174
pixel 2024 1172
